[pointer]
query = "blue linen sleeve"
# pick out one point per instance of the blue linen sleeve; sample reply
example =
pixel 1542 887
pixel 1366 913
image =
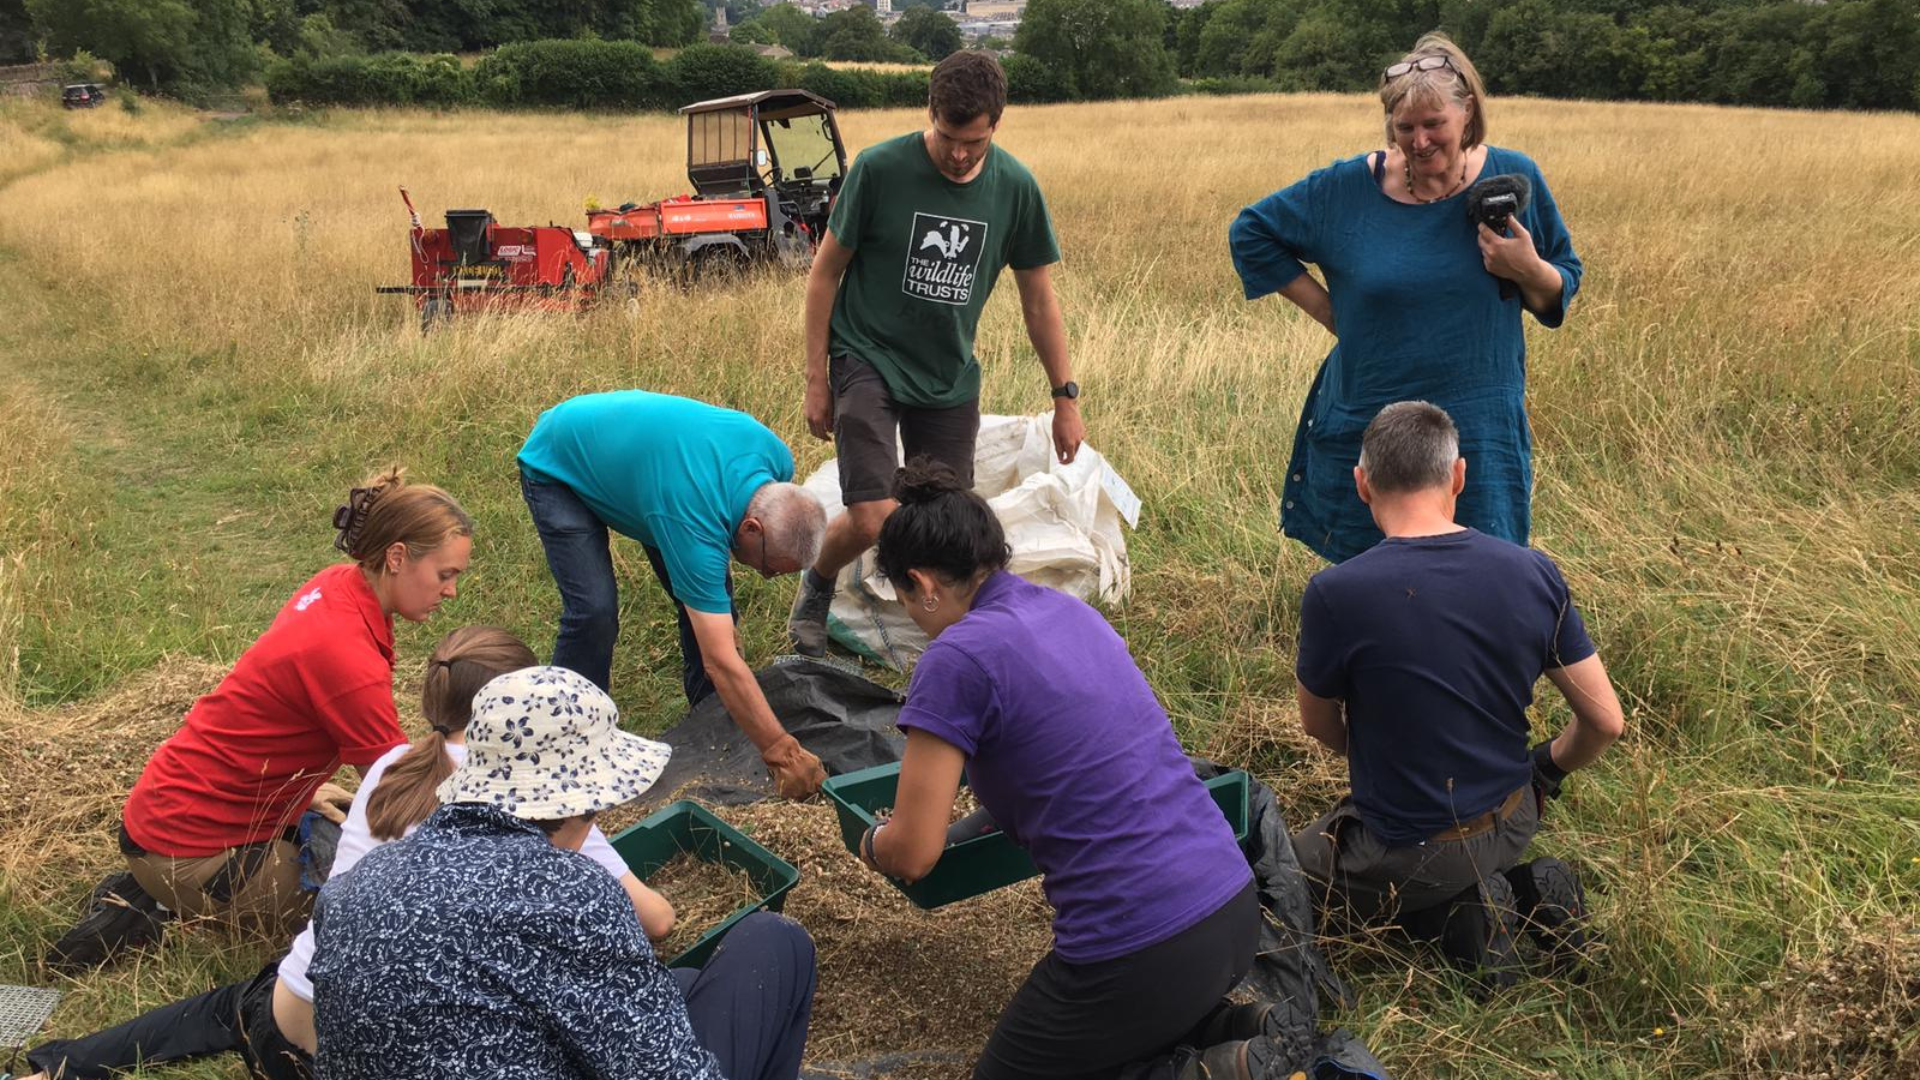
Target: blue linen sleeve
pixel 1321 666
pixel 1551 240
pixel 608 1000
pixel 1568 642
pixel 950 698
pixel 1273 239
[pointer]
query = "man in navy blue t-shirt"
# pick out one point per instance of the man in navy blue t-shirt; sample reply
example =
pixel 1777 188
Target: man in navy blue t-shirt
pixel 1418 659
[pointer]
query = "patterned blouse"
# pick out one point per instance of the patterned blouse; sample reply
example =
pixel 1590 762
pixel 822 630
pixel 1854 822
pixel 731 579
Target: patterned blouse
pixel 475 948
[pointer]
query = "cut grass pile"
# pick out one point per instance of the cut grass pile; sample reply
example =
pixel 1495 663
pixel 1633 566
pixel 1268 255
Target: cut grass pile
pixel 894 978
pixel 702 894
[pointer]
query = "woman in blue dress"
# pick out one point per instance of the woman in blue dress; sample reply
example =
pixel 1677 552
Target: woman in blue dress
pixel 1424 303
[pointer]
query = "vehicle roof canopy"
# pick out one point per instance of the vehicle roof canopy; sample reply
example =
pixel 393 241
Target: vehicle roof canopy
pixel 772 104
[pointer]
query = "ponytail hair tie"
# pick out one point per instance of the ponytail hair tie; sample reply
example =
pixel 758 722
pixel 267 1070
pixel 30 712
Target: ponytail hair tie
pixel 350 518
pixel 444 730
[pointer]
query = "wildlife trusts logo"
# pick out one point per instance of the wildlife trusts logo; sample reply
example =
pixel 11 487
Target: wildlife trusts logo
pixel 943 258
pixel 307 601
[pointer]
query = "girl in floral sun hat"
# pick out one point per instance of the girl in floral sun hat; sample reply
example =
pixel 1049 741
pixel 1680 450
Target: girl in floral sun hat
pixel 545 744
pixel 489 912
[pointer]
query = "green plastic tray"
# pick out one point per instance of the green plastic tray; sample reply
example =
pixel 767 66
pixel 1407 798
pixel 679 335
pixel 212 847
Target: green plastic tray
pixel 984 863
pixel 688 826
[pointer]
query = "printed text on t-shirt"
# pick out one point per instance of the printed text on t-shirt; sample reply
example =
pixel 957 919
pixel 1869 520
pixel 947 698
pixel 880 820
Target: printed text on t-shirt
pixel 943 258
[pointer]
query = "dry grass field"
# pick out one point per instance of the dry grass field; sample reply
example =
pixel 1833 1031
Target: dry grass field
pixel 194 368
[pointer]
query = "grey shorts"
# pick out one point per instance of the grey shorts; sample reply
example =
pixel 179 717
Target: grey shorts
pixel 865 420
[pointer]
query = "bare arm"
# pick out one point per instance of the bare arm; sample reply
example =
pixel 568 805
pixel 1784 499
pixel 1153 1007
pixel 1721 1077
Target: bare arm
pixel 733 680
pixel 656 914
pixel 1515 259
pixel 914 837
pixel 823 285
pixel 1322 718
pixel 1048 333
pixel 1307 294
pixel 796 772
pixel 1597 717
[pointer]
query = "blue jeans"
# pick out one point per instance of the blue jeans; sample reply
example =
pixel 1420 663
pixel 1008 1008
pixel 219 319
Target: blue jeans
pixel 751 1003
pixel 576 543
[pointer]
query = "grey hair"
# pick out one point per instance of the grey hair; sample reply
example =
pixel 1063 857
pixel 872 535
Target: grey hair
pixel 1459 85
pixel 1409 446
pixel 793 521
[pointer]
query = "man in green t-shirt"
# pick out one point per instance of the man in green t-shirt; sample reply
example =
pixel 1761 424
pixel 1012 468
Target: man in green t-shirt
pixel 918 235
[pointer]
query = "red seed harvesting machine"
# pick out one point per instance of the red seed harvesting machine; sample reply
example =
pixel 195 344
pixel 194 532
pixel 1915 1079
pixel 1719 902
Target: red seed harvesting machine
pixel 765 168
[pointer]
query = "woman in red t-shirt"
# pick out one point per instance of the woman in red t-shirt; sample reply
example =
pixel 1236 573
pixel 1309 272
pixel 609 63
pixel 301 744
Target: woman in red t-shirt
pixel 209 828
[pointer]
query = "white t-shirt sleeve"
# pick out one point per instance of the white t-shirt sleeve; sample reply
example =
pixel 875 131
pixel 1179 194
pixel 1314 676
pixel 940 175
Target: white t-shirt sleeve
pixel 600 850
pixel 356 839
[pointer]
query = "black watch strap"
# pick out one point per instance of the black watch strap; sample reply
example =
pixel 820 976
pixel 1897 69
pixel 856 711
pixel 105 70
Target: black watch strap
pixel 1069 390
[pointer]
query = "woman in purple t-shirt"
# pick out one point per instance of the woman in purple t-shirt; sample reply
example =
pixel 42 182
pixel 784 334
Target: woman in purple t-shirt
pixel 1034 695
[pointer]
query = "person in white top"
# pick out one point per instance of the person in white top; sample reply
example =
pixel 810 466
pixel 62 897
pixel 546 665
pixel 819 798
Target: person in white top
pixel 269 1018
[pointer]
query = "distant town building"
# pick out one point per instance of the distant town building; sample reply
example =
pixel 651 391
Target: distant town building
pixel 995 10
pixel 883 7
pixel 774 52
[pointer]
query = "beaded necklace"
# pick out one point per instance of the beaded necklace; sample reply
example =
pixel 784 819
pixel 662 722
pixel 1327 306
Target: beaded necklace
pixel 1406 162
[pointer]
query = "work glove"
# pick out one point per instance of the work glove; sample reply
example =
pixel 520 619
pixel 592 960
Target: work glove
pixel 796 772
pixel 1547 776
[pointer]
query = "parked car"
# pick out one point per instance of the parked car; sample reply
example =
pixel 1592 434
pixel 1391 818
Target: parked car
pixel 83 95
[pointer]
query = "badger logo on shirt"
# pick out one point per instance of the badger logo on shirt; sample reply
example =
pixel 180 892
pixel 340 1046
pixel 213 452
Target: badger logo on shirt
pixel 307 601
pixel 943 258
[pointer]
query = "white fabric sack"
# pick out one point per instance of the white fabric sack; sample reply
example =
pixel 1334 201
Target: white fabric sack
pixel 1063 524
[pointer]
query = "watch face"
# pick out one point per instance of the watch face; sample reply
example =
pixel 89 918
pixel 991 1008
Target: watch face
pixel 1070 391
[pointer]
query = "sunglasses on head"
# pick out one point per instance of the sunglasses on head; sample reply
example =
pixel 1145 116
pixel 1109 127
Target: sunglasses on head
pixel 1425 63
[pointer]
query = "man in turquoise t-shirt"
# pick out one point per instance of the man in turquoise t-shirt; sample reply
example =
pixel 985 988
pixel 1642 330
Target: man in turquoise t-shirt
pixel 697 486
pixel 918 235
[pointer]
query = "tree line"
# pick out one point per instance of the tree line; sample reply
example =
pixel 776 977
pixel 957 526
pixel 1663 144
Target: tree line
pixel 920 34
pixel 1851 54
pixel 190 46
pixel 576 74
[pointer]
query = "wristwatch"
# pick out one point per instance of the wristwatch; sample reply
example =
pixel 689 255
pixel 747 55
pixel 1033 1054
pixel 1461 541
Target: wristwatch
pixel 1071 391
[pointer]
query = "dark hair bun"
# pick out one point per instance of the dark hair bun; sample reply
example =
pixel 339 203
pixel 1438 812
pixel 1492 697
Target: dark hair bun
pixel 941 525
pixel 923 480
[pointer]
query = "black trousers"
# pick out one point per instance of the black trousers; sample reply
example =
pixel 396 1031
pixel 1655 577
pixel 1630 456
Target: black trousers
pixel 751 1003
pixel 1092 1021
pixel 237 1017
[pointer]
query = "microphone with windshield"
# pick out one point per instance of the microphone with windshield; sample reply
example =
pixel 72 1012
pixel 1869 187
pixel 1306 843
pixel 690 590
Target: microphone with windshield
pixel 1492 202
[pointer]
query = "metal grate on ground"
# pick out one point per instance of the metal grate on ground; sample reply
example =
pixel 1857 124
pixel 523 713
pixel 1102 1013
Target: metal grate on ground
pixel 23 1012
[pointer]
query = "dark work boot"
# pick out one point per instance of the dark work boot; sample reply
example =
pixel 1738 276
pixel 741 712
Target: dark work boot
pixel 120 916
pixel 1553 907
pixel 1224 1061
pixel 807 623
pixel 1230 1023
pixel 1482 930
pixel 1280 1056
pixel 1280 1023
